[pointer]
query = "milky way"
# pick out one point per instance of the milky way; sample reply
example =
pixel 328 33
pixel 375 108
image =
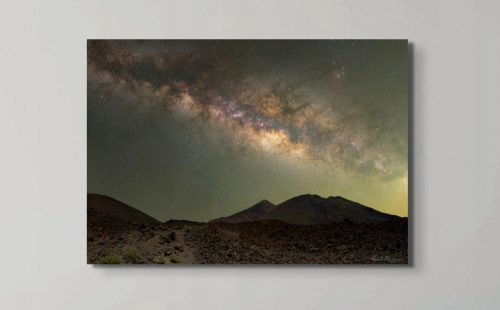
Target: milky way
pixel 335 109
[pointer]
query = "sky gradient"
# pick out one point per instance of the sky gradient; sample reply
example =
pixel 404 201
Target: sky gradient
pixel 202 129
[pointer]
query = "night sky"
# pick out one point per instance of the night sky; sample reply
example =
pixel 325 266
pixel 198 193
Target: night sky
pixel 202 129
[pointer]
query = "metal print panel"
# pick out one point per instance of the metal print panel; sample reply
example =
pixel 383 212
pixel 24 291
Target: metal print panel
pixel 247 151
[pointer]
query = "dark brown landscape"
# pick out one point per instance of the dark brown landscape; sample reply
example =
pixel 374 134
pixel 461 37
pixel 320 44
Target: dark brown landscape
pixel 306 229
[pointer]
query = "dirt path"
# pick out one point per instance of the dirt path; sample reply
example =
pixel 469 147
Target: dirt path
pixel 184 251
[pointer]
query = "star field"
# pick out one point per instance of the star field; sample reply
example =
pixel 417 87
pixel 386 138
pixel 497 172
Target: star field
pixel 200 129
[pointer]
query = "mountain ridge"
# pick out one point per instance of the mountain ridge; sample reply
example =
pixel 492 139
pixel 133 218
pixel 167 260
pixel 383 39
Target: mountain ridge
pixel 306 209
pixel 310 209
pixel 119 212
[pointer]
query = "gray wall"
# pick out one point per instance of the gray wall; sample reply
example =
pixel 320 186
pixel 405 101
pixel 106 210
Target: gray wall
pixel 456 157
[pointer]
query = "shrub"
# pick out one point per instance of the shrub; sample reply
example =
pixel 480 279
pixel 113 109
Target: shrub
pixel 158 260
pixel 112 259
pixel 172 236
pixel 175 260
pixel 131 254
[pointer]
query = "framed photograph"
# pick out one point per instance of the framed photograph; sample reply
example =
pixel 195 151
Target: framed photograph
pixel 247 151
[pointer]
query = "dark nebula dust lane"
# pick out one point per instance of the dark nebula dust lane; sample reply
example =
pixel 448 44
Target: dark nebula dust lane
pixel 200 129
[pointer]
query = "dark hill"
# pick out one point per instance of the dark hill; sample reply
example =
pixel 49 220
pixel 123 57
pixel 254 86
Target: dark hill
pixel 310 210
pixel 257 212
pixel 111 213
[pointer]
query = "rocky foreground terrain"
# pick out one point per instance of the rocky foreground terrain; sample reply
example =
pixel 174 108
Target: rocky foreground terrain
pixel 118 233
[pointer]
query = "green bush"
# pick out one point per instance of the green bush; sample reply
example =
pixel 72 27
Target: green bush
pixel 158 260
pixel 175 260
pixel 112 259
pixel 131 255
